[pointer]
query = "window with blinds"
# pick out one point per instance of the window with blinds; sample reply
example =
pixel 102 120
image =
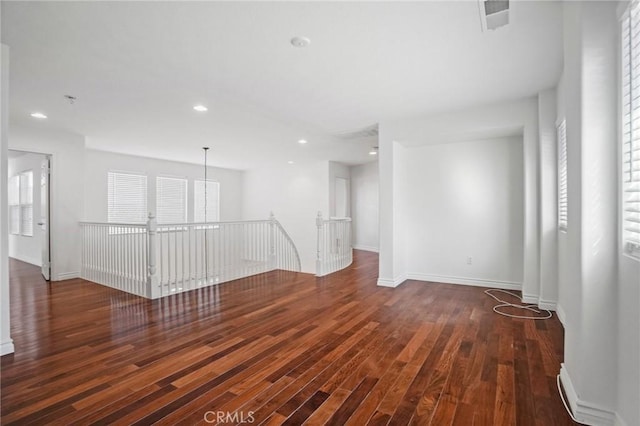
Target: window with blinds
pixel 14 205
pixel 563 199
pixel 213 201
pixel 631 129
pixel 127 198
pixel 171 200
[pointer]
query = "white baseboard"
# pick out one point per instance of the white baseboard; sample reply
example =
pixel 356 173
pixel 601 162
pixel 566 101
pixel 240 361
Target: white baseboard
pixel 7 347
pixel 562 316
pixel 583 411
pixel 28 259
pixel 387 282
pixel 365 248
pixel 549 305
pixel 66 276
pixel 533 299
pixel 504 285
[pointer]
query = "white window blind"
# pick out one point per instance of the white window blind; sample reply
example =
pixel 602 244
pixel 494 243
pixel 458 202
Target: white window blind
pixel 26 214
pixel 213 201
pixel 14 205
pixel 171 199
pixel 631 129
pixel 127 198
pixel 563 202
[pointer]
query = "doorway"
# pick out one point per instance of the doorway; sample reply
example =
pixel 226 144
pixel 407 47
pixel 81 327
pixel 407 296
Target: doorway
pixel 29 209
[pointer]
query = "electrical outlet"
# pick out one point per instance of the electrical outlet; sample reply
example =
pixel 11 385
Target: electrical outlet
pixel 469 260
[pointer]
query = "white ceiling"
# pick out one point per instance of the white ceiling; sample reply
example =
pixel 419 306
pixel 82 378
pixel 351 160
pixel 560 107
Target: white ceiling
pixel 137 69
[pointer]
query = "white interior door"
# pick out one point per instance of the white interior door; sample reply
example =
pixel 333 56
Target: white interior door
pixel 43 224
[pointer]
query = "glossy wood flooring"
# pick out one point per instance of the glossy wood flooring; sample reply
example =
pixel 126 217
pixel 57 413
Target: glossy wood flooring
pixel 280 348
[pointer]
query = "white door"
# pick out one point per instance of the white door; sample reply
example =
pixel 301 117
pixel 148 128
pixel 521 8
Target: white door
pixel 44 218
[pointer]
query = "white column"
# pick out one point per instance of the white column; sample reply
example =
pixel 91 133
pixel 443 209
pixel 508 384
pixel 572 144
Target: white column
pixel 320 245
pixel 6 343
pixel 548 200
pixel 392 271
pixel 531 281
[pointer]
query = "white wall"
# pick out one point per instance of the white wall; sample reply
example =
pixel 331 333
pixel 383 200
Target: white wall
pixel 598 288
pixel 338 170
pixel 364 206
pixel 466 201
pixel 67 189
pixel 98 163
pixel 28 248
pixel 489 121
pixel 295 193
pixel 628 320
pixel 6 343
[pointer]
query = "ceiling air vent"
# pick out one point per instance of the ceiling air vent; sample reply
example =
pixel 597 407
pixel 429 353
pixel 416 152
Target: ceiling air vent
pixel 367 132
pixel 493 14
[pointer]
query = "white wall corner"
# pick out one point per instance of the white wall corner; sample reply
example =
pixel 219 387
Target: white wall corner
pixel 7 347
pixel 531 299
pixel 562 316
pixel 549 305
pixel 395 282
pixel 585 412
pixel 503 285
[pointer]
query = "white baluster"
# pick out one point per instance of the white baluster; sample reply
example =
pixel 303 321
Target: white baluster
pixel 320 245
pixel 152 274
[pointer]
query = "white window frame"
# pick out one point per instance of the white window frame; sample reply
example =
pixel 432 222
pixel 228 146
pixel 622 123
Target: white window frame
pixel 630 131
pixel 112 215
pixel 159 199
pixel 196 201
pixel 563 176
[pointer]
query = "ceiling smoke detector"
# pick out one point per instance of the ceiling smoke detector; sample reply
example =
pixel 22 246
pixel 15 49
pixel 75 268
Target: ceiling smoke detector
pixel 300 41
pixel 493 14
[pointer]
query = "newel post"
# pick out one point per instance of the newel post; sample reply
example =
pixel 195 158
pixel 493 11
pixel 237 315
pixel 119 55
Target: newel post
pixel 153 287
pixel 319 224
pixel 272 242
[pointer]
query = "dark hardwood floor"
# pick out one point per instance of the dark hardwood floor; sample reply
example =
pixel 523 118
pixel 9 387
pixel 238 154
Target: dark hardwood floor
pixel 280 348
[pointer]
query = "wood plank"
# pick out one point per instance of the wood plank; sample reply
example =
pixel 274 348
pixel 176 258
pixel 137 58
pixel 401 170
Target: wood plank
pixel 287 347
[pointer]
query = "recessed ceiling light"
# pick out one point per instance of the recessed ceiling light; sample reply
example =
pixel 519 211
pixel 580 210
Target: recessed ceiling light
pixel 373 152
pixel 200 108
pixel 289 162
pixel 38 115
pixel 300 41
pixel 302 141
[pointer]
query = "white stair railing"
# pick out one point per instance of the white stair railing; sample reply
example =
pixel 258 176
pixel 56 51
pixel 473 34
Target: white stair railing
pixel 115 254
pixel 334 250
pixel 173 258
